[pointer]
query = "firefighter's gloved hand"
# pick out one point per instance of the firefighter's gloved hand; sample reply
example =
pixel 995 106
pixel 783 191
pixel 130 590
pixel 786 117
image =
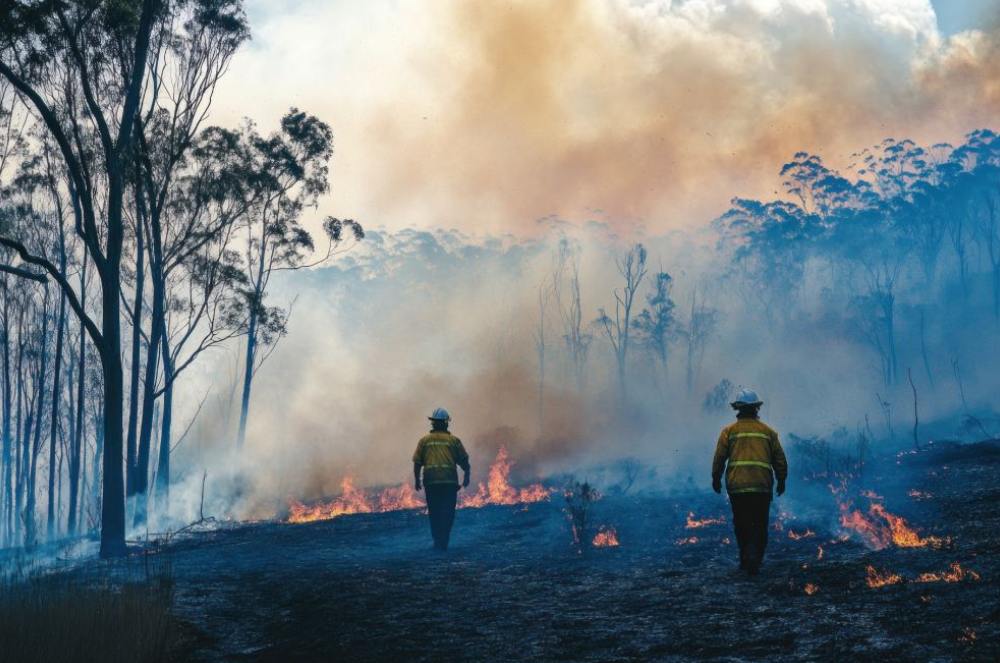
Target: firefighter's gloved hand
pixel 465 481
pixel 717 484
pixel 780 487
pixel 416 484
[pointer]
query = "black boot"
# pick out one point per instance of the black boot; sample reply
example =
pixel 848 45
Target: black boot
pixel 752 561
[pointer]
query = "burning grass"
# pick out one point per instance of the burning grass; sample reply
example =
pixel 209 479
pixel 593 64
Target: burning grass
pixel 876 579
pixel 606 537
pixel 695 523
pixel 496 490
pixel 955 573
pixel 355 500
pixel 880 529
pixel 796 536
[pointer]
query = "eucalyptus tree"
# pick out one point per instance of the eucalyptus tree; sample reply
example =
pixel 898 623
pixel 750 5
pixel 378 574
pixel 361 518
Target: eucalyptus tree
pixel 40 180
pixel 286 171
pixel 618 330
pixel 697 331
pixel 979 158
pixel 656 325
pixel 576 334
pixel 203 277
pixel 81 66
pixel 189 53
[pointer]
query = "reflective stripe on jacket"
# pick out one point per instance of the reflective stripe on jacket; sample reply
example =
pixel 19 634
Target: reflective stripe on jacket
pixel 751 455
pixel 439 452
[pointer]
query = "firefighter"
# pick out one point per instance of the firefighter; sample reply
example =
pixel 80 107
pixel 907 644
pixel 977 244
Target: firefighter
pixel 437 454
pixel 751 456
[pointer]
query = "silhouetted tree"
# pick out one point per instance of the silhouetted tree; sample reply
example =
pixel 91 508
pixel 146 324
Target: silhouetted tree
pixel 287 171
pixel 632 268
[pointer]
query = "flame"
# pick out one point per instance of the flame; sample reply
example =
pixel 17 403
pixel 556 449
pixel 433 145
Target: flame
pixel 688 541
pixel 919 494
pixel 399 498
pixel 498 490
pixel 819 553
pixel 355 500
pixel 694 523
pixel 725 541
pixel 968 635
pixel 955 573
pixel 876 579
pixel 795 536
pixel 893 531
pixel 606 537
pixel 810 589
pixel 872 495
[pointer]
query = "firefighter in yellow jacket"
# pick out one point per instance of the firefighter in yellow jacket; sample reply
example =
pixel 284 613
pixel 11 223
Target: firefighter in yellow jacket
pixel 751 456
pixel 437 455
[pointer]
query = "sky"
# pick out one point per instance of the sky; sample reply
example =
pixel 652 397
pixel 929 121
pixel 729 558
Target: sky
pixel 646 114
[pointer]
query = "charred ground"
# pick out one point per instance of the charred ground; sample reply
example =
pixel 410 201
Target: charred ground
pixel 367 587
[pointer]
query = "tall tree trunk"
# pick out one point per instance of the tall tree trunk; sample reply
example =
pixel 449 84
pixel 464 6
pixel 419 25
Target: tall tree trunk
pixel 157 331
pixel 133 400
pixel 59 480
pixel 113 503
pixel 141 481
pixel 251 355
pixel 247 383
pixel 25 469
pixel 95 470
pixel 7 496
pixel 916 413
pixel 77 440
pixel 19 445
pixel 36 443
pixel 162 487
pixel 248 373
pixel 56 401
pixel 923 349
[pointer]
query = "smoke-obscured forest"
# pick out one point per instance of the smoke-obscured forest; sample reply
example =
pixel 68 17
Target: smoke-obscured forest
pixel 829 299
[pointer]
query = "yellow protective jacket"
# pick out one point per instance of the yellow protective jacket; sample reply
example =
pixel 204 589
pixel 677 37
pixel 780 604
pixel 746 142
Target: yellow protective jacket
pixel 439 452
pixel 750 453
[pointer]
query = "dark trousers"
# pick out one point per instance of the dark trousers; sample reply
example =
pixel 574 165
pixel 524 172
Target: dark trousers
pixel 750 518
pixel 441 500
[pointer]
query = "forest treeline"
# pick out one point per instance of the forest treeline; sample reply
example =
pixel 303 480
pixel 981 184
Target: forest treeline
pixel 897 258
pixel 908 239
pixel 134 237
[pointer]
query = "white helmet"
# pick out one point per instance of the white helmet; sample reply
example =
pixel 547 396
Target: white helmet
pixel 746 397
pixel 440 414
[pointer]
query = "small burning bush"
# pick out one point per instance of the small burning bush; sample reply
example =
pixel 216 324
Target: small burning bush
pixel 579 498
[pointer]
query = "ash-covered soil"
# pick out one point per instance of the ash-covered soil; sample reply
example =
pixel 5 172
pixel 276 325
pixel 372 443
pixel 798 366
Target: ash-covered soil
pixel 513 587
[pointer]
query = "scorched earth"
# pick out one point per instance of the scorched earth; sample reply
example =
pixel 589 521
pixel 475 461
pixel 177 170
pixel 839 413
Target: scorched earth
pixel 904 570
